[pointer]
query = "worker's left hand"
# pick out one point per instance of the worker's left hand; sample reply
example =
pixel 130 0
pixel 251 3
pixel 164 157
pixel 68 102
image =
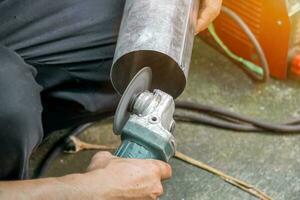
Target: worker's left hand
pixel 209 10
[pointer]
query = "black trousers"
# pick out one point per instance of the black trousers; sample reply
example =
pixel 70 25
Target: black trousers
pixel 55 59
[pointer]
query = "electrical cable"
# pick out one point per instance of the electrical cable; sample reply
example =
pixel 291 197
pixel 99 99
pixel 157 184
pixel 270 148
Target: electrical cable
pixel 216 112
pixel 209 121
pixel 288 127
pixel 250 66
pixel 58 148
pixel 63 142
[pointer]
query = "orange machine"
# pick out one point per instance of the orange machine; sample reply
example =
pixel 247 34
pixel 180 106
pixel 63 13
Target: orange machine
pixel 276 25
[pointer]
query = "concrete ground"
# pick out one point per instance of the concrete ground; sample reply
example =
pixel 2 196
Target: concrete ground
pixel 270 162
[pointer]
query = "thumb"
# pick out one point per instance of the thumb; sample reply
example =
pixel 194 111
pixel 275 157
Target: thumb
pixel 100 160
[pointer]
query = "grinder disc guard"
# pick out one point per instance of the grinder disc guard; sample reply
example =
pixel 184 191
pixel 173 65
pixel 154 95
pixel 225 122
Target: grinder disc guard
pixel 139 84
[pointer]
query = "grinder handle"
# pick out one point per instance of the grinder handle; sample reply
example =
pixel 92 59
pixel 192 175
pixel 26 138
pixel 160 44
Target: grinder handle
pixel 130 149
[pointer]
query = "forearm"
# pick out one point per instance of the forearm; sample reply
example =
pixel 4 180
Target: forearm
pixel 40 189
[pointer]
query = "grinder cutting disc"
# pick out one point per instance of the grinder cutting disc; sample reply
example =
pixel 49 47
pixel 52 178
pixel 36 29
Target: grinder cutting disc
pixel 139 84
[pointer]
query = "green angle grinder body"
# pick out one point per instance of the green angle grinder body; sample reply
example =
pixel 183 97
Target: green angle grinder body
pixel 143 119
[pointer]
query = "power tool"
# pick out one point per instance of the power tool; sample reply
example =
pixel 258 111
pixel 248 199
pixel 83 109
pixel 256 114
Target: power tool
pixel 150 69
pixel 145 121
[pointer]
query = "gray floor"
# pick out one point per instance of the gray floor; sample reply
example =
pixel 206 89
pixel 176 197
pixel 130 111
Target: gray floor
pixel 270 162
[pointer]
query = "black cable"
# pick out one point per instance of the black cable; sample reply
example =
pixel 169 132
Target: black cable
pixel 60 145
pixel 211 110
pixel 213 122
pixel 58 148
pixel 289 127
pixel 206 120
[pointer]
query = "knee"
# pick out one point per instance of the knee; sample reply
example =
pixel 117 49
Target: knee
pixel 14 157
pixel 21 125
pixel 20 133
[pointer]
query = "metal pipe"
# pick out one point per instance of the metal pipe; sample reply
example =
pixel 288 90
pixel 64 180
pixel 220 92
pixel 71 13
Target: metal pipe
pixel 158 34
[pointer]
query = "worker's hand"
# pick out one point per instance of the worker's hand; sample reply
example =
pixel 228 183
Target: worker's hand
pixel 209 10
pixel 109 177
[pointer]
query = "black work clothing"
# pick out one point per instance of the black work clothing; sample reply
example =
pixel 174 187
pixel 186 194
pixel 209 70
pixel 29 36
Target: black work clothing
pixel 55 59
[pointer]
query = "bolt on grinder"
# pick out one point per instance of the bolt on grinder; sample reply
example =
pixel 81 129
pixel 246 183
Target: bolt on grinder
pixel 150 69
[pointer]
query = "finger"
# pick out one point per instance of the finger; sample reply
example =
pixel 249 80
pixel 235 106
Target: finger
pixel 160 189
pixel 209 11
pixel 100 160
pixel 157 191
pixel 164 169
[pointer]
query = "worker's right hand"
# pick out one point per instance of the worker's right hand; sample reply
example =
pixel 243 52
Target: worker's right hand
pixel 209 10
pixel 110 177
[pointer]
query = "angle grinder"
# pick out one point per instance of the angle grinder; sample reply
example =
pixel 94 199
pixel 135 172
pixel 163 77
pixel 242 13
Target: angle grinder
pixel 144 119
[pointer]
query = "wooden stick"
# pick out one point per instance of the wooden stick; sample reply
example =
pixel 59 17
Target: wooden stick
pixel 80 146
pixel 229 179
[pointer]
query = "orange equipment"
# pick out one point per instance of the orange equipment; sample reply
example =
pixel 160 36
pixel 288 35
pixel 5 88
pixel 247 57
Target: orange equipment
pixel 276 25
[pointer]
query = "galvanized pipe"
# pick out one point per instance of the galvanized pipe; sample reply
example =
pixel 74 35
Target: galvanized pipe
pixel 158 34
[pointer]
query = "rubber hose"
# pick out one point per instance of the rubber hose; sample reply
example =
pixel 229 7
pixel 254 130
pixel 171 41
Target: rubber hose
pixel 253 39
